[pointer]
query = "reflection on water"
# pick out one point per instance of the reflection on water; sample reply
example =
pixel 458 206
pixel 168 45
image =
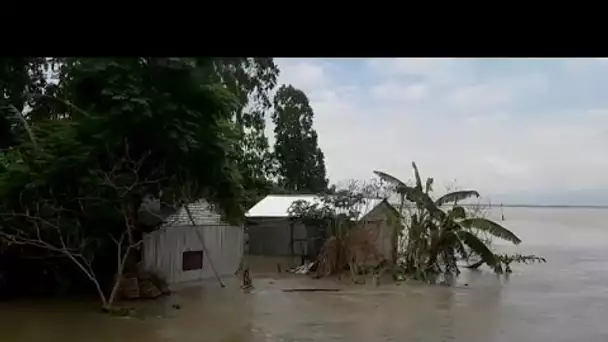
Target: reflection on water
pixel 563 300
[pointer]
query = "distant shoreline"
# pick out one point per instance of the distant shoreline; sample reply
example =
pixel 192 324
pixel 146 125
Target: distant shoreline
pixel 548 206
pixel 563 206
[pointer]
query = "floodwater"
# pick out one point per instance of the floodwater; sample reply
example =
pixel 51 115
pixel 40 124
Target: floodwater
pixel 563 300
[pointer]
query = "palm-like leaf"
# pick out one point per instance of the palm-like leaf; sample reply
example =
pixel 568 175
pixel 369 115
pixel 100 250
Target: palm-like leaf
pixel 478 247
pixel 457 212
pixel 458 244
pixel 456 196
pixel 491 227
pixel 435 236
pixel 417 176
pixel 419 197
pixel 476 265
pixel 389 179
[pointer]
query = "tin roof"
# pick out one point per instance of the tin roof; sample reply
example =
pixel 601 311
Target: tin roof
pixel 202 213
pixel 278 205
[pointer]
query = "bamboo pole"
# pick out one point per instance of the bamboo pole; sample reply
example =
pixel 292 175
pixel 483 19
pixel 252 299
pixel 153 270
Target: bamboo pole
pixel 200 237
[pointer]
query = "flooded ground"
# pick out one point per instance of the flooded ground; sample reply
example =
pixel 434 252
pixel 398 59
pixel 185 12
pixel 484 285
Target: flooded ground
pixel 563 300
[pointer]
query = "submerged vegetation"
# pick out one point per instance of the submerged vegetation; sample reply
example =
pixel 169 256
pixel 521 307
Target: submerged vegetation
pixel 436 239
pixel 345 243
pixel 437 235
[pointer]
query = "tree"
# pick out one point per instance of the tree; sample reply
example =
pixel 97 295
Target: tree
pixel 436 237
pixel 132 128
pixel 300 161
pixel 251 80
pixel 19 77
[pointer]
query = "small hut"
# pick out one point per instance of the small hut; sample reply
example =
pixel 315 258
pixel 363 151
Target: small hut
pixel 182 252
pixel 270 232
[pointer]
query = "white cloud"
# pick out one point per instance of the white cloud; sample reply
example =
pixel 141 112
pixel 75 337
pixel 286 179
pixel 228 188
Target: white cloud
pixel 398 92
pixel 411 65
pixel 435 69
pixel 305 75
pixel 481 95
pixel 508 139
pixel 495 93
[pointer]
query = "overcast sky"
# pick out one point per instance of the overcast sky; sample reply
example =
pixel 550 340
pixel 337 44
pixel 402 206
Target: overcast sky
pixel 520 130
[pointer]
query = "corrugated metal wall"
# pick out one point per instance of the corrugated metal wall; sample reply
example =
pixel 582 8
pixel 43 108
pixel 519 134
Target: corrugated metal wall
pixel 163 251
pixel 272 237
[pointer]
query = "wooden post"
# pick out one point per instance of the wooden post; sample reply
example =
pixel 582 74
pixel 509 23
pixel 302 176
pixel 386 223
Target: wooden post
pixel 291 233
pixel 200 237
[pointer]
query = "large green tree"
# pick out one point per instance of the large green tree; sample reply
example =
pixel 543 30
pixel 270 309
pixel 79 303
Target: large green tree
pixel 21 78
pixel 251 80
pixel 300 163
pixel 115 132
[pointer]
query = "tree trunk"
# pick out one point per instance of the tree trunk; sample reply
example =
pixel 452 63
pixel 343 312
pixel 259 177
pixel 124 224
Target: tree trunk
pixel 118 281
pixel 90 275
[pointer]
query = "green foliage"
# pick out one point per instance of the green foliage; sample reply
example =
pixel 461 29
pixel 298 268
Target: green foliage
pixel 162 113
pixel 114 132
pixel 454 197
pixel 436 238
pixel 335 214
pixel 506 260
pixel 331 220
pixel 491 227
pixel 251 80
pixel 300 161
pixel 79 154
pixel 20 79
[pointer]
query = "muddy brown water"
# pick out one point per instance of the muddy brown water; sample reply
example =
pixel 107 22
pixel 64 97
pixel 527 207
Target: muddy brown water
pixel 563 300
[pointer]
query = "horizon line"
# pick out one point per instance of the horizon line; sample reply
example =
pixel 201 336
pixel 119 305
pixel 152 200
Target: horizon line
pixel 523 205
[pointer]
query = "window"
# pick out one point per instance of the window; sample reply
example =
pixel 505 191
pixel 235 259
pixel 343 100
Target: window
pixel 192 260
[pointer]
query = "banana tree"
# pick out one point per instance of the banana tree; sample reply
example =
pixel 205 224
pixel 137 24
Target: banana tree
pixel 415 233
pixel 437 237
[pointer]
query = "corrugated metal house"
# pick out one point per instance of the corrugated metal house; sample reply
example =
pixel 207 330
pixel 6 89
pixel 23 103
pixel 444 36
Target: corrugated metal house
pixel 270 232
pixel 180 252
